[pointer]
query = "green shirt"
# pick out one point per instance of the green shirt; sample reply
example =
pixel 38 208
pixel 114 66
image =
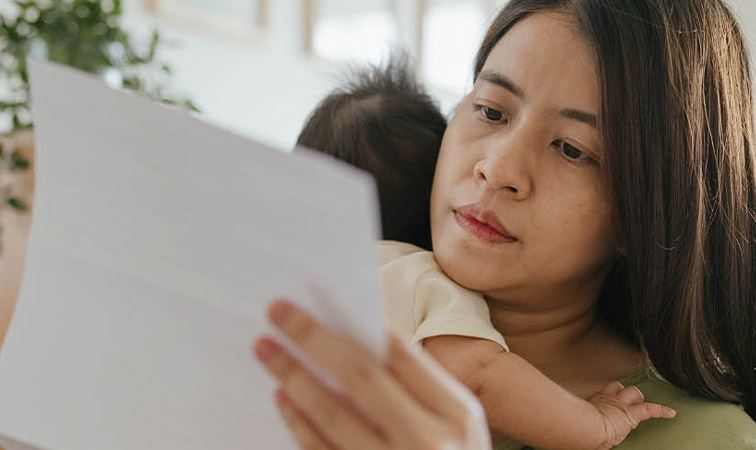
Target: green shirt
pixel 700 424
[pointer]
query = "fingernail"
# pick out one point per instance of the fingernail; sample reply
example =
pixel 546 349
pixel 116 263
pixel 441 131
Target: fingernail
pixel 265 348
pixel 279 311
pixel 671 413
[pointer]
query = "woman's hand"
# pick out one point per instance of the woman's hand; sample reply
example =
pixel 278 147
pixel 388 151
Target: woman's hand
pixel 407 402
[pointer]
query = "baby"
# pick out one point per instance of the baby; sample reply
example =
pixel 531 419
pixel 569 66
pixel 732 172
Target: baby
pixel 383 122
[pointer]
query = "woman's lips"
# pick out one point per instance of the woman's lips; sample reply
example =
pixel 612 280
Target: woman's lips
pixel 483 224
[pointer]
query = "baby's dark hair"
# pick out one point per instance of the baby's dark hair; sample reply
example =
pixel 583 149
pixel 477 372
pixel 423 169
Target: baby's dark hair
pixel 383 121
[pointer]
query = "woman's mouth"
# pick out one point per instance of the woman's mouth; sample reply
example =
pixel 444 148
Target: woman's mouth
pixel 482 224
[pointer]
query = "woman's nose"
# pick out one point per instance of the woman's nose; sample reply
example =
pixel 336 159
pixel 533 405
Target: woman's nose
pixel 506 167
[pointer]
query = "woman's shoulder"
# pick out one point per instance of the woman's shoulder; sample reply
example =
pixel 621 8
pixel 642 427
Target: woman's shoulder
pixel 700 423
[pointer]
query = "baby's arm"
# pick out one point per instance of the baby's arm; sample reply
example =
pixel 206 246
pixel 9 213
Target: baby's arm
pixel 522 403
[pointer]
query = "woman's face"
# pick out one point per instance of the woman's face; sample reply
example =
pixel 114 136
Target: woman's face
pixel 520 209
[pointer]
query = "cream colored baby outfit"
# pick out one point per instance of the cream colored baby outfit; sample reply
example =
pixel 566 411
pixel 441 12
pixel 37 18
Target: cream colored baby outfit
pixel 422 302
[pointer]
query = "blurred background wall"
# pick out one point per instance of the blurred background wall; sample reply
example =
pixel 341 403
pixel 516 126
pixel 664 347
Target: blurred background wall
pixel 265 85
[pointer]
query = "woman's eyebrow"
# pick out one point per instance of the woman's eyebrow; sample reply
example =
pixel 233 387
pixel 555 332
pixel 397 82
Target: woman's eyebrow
pixel 580 116
pixel 503 81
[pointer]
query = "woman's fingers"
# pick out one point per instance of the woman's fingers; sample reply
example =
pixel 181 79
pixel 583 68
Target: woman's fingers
pixel 423 378
pixel 407 403
pixel 364 380
pixel 318 411
pixel 306 437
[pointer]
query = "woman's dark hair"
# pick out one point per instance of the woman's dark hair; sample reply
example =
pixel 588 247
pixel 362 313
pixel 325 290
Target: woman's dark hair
pixel 676 118
pixel 384 122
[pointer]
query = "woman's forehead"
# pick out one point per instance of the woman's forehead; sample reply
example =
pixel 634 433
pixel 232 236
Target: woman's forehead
pixel 547 57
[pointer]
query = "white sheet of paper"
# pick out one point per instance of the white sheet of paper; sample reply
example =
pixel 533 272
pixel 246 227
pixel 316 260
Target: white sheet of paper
pixel 157 241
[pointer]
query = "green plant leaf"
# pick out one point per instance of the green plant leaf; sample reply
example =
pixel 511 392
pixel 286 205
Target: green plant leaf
pixel 17 204
pixel 18 162
pixel 78 33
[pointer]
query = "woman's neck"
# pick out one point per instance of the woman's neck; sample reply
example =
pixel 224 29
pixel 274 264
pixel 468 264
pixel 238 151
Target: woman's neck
pixel 568 344
pixel 538 336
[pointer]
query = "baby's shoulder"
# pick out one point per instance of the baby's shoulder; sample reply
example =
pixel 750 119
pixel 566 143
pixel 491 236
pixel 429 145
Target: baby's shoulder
pixel 395 253
pixel 396 249
pixel 699 424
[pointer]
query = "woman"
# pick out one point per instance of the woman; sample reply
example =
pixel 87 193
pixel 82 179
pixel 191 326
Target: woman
pixel 613 141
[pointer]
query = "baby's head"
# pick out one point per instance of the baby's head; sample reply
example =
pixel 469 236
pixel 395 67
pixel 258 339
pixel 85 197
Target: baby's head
pixel 384 122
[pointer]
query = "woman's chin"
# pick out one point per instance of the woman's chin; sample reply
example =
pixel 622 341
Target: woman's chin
pixel 469 272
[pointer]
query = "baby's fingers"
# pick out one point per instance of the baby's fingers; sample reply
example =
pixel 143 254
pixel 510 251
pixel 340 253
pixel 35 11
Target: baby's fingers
pixel 630 395
pixel 645 411
pixel 612 388
pixel 639 410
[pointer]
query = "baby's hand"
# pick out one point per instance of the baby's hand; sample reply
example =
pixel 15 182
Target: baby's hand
pixel 622 409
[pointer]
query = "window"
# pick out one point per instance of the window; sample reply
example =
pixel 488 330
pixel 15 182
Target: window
pixel 238 19
pixel 451 33
pixel 443 35
pixel 348 30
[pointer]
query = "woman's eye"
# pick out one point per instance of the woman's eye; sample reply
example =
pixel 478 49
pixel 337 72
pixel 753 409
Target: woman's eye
pixel 570 151
pixel 573 153
pixel 490 114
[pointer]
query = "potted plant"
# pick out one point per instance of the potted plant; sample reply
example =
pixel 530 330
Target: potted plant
pixel 85 34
